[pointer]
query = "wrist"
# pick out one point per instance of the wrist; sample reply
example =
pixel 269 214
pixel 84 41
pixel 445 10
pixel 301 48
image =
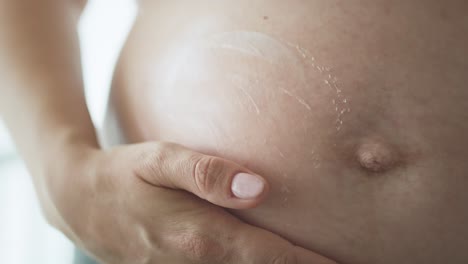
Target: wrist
pixel 54 143
pixel 64 150
pixel 65 184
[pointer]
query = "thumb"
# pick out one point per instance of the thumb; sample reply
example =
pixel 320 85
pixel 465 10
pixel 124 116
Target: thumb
pixel 214 179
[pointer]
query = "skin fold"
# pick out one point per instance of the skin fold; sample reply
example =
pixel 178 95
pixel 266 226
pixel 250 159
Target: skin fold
pixel 354 111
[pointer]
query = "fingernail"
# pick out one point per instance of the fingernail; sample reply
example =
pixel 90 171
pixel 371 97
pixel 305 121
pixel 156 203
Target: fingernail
pixel 247 186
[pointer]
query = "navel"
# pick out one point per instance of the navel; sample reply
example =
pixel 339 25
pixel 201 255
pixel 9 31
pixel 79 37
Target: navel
pixel 377 156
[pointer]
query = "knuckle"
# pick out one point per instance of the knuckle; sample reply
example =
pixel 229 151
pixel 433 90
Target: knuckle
pixel 286 257
pixel 199 248
pixel 207 172
pixel 152 160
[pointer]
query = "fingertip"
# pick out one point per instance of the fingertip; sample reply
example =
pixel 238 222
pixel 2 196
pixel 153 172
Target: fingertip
pixel 248 190
pixel 227 184
pixel 238 197
pixel 247 186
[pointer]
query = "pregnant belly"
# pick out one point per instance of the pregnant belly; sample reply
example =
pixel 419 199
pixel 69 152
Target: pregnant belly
pixel 361 167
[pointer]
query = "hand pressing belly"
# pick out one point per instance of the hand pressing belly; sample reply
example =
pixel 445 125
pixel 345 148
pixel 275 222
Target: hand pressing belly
pixel 366 165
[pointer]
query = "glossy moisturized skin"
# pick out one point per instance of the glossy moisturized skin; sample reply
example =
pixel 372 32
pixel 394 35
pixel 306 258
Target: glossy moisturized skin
pixel 355 111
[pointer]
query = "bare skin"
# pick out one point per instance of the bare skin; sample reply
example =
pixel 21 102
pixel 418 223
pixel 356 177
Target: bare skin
pixel 155 202
pixel 354 111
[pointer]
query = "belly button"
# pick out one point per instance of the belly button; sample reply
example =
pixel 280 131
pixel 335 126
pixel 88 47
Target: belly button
pixel 377 157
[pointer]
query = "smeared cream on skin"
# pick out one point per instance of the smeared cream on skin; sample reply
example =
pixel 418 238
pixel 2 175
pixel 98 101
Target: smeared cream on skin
pixel 260 46
pixel 299 99
pixel 340 101
pixel 191 62
pixel 194 61
pixel 225 56
pixel 254 44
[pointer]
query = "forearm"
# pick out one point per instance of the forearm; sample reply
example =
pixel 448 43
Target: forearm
pixel 42 98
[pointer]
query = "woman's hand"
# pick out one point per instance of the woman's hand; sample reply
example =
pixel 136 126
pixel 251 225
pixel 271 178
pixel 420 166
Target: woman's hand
pixel 135 204
pixel 131 204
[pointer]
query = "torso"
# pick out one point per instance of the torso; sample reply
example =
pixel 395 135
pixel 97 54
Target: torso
pixel 356 112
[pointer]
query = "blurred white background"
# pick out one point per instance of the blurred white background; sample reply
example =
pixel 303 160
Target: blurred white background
pixel 25 237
